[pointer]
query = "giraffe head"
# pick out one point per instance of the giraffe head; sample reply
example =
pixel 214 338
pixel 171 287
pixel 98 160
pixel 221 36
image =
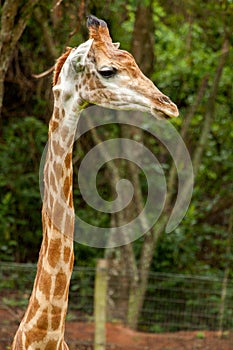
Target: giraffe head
pixel 104 75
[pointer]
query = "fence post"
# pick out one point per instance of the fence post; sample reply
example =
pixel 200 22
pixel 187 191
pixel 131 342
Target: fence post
pixel 100 303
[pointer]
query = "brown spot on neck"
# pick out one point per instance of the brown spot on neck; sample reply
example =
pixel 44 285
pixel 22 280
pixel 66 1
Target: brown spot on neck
pixel 60 285
pixel 56 113
pixel 53 125
pixel 54 252
pixel 44 282
pixel 67 187
pixel 56 317
pixel 68 160
pixel 52 182
pixel 67 253
pixel 31 337
pixel 57 149
pixel 57 94
pixel 42 322
pixel 52 345
pixel 34 307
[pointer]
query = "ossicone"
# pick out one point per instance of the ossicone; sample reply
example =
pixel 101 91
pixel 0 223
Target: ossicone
pixel 93 21
pixel 98 30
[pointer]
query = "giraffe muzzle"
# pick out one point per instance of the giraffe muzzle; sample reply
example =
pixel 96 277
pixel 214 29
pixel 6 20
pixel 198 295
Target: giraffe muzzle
pixel 164 113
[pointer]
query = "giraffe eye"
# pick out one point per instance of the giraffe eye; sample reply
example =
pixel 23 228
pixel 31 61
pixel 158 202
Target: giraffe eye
pixel 107 72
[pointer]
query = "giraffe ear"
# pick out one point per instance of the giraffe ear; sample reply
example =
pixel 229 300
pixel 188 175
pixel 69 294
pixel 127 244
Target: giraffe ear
pixel 78 55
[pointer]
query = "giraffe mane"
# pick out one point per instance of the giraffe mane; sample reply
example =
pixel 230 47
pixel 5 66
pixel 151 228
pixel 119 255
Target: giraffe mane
pixel 58 66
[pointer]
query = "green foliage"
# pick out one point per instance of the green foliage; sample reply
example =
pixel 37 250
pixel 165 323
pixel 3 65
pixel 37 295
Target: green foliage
pixel 200 335
pixel 185 53
pixel 22 144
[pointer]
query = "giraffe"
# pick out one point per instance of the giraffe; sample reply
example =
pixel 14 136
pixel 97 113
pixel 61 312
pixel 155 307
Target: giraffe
pixel 96 72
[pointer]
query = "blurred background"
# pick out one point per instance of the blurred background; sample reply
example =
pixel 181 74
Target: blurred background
pixel 185 47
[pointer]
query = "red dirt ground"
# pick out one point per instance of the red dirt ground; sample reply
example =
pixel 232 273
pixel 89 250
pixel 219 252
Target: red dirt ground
pixel 80 335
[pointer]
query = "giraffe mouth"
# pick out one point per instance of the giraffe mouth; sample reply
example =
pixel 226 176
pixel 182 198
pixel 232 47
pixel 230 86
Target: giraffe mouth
pixel 159 114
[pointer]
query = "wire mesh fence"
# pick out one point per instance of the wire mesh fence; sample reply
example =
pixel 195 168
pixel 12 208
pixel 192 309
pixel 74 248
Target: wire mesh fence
pixel 181 302
pixel 172 302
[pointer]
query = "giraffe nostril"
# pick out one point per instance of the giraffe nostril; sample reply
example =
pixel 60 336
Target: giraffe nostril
pixel 165 99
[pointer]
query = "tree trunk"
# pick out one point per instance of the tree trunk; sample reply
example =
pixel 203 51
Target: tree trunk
pixel 210 107
pixel 14 18
pixel 48 38
pixel 143 37
pixel 137 294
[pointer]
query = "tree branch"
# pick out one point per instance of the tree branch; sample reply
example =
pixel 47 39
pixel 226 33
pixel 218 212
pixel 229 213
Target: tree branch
pixel 210 107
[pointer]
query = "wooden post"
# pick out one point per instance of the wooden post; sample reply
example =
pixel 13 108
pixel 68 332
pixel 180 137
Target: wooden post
pixel 100 303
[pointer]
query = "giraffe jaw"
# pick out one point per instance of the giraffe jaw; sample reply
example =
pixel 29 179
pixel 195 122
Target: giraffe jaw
pixel 166 110
pixel 158 114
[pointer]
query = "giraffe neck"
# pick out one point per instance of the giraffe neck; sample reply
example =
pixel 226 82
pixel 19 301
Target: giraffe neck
pixel 43 324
